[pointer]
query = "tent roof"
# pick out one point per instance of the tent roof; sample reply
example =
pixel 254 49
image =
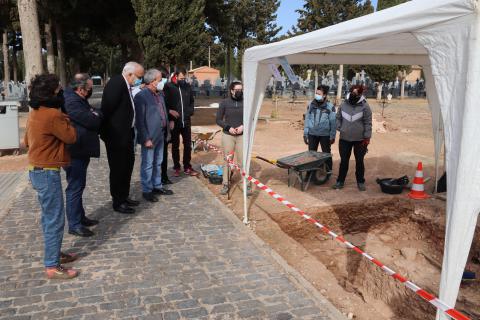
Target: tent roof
pixel 386 33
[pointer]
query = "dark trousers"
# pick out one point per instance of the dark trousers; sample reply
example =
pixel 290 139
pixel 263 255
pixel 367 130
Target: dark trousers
pixel 186 133
pixel 359 151
pixel 120 161
pixel 77 180
pixel 324 142
pixel 165 161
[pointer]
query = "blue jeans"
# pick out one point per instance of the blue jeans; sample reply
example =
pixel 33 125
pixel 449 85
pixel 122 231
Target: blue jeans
pixel 151 167
pixel 48 185
pixel 77 179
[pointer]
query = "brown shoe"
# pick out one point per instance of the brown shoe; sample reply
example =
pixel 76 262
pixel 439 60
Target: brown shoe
pixel 67 257
pixel 60 272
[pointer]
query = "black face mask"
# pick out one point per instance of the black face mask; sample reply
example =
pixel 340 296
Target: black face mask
pixel 181 82
pixel 238 95
pixel 353 99
pixel 89 94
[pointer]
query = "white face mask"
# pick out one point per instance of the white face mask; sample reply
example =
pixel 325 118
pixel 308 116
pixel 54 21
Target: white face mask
pixel 160 85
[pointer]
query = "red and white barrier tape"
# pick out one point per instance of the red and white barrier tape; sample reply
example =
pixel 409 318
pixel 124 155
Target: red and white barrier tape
pixel 436 302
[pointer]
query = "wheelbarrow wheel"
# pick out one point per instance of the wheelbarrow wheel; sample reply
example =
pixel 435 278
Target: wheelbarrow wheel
pixel 321 175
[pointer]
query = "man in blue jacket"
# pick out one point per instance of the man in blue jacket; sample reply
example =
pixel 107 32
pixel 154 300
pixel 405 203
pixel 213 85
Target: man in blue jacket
pixel 320 123
pixel 87 121
pixel 152 124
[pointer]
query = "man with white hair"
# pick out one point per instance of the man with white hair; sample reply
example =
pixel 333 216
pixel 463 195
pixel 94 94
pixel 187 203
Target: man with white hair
pixel 152 128
pixel 118 133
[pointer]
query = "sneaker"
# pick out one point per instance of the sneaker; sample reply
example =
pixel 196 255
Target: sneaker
pixel 176 173
pixel 361 186
pixel 60 272
pixel 339 185
pixel 190 172
pixel 224 190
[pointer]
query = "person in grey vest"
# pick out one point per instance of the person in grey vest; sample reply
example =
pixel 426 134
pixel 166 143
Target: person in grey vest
pixel 354 121
pixel 320 123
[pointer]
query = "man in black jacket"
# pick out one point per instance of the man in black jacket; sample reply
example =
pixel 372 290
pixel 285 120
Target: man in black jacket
pixel 118 134
pixel 180 104
pixel 87 121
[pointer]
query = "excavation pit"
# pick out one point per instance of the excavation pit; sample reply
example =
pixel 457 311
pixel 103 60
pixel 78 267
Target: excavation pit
pixel 406 236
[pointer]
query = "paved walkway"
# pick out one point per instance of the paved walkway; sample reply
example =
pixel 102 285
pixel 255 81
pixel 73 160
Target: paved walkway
pixel 183 257
pixel 9 183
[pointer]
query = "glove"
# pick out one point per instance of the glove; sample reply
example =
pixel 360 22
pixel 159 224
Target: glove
pixel 366 142
pixel 305 139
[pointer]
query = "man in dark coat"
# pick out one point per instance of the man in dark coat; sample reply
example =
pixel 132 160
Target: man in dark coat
pixel 118 134
pixel 180 104
pixel 87 121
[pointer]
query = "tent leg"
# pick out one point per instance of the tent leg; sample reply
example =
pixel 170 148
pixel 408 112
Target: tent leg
pixel 245 199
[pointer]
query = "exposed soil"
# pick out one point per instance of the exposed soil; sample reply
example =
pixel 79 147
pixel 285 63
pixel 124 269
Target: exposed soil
pixel 404 234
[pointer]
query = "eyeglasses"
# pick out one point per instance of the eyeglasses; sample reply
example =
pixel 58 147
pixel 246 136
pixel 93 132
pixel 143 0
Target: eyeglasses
pixel 237 90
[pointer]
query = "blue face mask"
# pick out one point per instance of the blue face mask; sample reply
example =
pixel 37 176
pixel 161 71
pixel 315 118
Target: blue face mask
pixel 319 98
pixel 164 80
pixel 137 82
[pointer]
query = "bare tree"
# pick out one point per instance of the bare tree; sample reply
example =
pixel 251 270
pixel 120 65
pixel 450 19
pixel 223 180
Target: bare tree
pixel 49 43
pixel 6 66
pixel 340 84
pixel 61 54
pixel 15 66
pixel 32 50
pixel 403 76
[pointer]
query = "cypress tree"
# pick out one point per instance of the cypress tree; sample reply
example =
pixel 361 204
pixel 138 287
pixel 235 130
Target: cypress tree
pixel 170 31
pixel 384 4
pixel 318 14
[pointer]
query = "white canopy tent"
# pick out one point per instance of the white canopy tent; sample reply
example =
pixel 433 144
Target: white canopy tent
pixel 443 36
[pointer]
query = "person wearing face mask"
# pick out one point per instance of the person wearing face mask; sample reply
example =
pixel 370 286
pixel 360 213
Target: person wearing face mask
pixel 87 121
pixel 354 121
pixel 152 125
pixel 320 123
pixel 118 133
pixel 47 135
pixel 230 119
pixel 168 137
pixel 180 104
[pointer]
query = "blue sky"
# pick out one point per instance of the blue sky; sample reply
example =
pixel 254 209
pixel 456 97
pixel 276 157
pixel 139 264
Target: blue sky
pixel 287 17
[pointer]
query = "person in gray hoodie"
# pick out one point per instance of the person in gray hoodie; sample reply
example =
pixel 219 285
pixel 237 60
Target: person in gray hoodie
pixel 320 123
pixel 354 121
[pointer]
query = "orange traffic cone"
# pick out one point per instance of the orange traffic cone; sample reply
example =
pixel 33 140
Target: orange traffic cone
pixel 418 188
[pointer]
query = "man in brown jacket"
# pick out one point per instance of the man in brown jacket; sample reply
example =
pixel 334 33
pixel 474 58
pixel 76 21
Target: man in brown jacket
pixel 48 131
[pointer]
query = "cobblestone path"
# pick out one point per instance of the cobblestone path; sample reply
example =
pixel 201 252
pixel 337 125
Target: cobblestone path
pixel 183 257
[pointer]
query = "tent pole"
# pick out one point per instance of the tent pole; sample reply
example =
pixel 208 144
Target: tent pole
pixel 245 199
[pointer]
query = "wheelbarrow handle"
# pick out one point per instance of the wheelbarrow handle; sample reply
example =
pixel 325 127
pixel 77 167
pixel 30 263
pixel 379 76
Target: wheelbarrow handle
pixel 266 160
pixel 274 162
